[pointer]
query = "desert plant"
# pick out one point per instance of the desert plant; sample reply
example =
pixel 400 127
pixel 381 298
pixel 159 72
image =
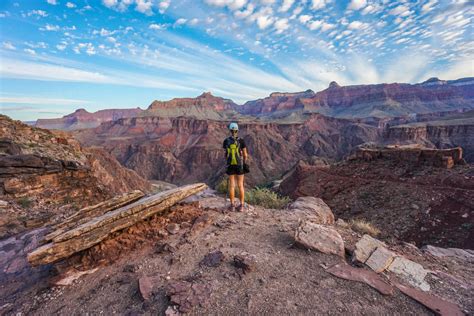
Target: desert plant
pixel 364 227
pixel 257 196
pixel 24 202
pixel 266 198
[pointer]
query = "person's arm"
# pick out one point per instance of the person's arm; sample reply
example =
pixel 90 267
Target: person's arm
pixel 245 154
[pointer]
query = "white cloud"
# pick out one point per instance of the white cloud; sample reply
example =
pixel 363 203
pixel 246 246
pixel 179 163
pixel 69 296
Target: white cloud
pixel 8 45
pixel 357 25
pixel 38 13
pixel 70 5
pixel 62 46
pixel 428 6
pixel 110 3
pixel 53 2
pixel 245 13
pixel 264 21
pixel 144 6
pixel 313 25
pixel 50 27
pixel 231 4
pixel 401 10
pixel 304 18
pixel 164 4
pixel 155 26
pixel 357 4
pixel 40 100
pixel 327 26
pixel 180 21
pixel 281 25
pixel 29 51
pixel 286 5
pixel 319 4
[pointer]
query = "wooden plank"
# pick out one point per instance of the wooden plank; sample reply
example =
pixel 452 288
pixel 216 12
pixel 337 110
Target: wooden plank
pixel 84 215
pixel 97 229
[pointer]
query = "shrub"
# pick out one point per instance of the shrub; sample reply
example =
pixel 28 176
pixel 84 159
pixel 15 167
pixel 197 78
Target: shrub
pixel 364 227
pixel 24 202
pixel 266 198
pixel 257 196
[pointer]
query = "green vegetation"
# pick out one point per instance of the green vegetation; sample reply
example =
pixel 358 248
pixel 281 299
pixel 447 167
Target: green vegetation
pixel 364 227
pixel 24 202
pixel 257 196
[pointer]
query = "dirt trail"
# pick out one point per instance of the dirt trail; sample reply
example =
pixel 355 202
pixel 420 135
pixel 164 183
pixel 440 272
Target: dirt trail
pixel 284 279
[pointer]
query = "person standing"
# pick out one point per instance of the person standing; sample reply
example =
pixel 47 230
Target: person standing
pixel 236 159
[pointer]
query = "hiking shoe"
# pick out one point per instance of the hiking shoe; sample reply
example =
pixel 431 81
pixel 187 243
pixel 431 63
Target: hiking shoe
pixel 241 208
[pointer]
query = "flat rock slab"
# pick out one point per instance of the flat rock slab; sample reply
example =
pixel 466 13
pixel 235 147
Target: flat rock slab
pixel 72 275
pixel 410 271
pixel 365 247
pixel 436 304
pixel 460 254
pixel 321 238
pixel 380 259
pixel 370 278
pixel 312 209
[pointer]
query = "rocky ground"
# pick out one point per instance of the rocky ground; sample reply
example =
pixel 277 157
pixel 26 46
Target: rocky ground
pixel 200 258
pixel 405 200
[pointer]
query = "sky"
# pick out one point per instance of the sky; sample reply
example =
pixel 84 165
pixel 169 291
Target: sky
pixel 57 55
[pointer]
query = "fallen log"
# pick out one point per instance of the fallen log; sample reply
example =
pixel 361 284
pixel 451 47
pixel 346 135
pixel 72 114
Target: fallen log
pixel 86 214
pixel 97 229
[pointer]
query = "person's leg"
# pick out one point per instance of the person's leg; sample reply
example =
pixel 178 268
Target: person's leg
pixel 240 183
pixel 231 188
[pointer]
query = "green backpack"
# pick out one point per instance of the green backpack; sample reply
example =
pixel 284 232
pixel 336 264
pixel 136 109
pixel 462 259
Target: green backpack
pixel 233 151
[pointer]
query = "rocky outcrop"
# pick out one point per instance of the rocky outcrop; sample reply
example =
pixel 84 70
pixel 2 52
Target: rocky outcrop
pixel 41 171
pixel 452 131
pixel 205 106
pixel 444 158
pixel 81 118
pixel 413 202
pixel 183 150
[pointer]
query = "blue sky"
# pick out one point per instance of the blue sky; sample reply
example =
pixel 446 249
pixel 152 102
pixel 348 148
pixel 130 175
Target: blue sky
pixel 58 55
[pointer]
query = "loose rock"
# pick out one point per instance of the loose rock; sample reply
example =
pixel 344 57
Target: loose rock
pixel 410 271
pixel 213 259
pixel 313 209
pixel 365 247
pixel 186 295
pixel 320 238
pixel 245 262
pixel 380 259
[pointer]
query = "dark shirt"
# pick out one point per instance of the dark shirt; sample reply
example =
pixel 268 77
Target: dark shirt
pixel 229 140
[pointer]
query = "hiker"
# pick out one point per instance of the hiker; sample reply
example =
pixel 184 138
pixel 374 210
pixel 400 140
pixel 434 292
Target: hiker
pixel 237 158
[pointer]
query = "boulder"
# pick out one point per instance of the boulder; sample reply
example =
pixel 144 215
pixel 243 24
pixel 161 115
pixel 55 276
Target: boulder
pixel 313 209
pixel 410 271
pixel 365 247
pixel 380 259
pixel 321 238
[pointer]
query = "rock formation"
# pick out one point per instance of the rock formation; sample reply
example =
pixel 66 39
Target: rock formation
pixel 185 150
pixel 40 168
pixel 84 119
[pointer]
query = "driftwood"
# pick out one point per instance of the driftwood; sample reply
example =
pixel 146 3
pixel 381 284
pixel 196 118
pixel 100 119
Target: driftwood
pixel 86 214
pixel 97 229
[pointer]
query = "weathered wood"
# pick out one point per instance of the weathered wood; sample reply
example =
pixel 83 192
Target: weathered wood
pixel 97 229
pixel 86 214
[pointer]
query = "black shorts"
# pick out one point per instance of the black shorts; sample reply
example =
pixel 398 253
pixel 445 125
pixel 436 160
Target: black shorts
pixel 234 169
